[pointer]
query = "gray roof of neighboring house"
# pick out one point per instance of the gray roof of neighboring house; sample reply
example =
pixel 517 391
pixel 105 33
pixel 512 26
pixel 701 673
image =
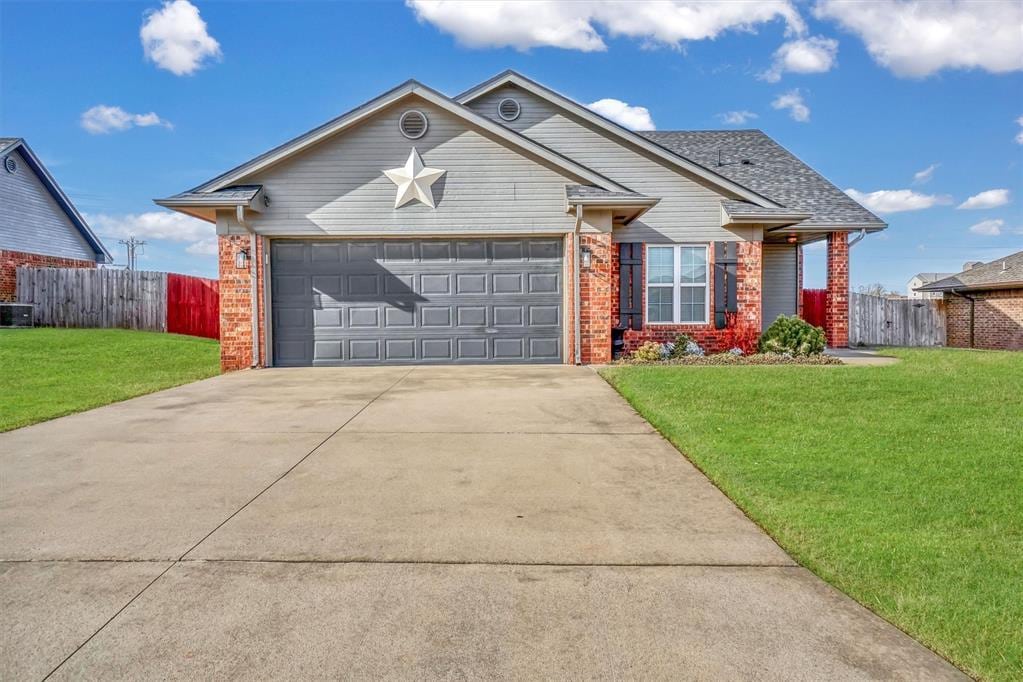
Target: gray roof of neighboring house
pixel 771 171
pixel 592 192
pixel 928 277
pixel 1002 273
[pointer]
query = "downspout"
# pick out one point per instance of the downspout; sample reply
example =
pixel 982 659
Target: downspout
pixel 973 303
pixel 854 240
pixel 577 301
pixel 253 279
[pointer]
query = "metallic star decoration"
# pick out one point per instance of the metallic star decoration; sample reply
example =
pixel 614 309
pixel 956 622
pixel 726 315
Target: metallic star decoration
pixel 414 180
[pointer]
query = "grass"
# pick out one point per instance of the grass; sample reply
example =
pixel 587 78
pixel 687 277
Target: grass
pixel 901 485
pixel 48 373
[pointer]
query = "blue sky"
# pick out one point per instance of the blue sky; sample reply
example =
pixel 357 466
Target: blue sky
pixel 881 109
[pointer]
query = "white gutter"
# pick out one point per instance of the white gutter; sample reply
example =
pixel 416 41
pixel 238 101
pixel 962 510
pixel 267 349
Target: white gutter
pixel 254 294
pixel 861 235
pixel 577 314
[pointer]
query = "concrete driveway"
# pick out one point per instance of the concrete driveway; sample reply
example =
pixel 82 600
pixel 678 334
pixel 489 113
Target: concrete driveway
pixel 458 522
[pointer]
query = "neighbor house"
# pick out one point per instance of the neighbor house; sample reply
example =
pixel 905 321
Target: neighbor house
pixel 921 279
pixel 39 225
pixel 984 304
pixel 512 224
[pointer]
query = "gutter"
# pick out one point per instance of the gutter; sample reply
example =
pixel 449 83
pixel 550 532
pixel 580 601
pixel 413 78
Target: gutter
pixel 253 279
pixel 577 298
pixel 973 305
pixel 857 238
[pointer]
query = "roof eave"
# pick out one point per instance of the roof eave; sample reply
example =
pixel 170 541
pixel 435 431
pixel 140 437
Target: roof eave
pixel 1017 284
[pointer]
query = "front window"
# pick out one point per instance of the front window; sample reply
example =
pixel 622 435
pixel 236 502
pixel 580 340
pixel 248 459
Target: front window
pixel 676 284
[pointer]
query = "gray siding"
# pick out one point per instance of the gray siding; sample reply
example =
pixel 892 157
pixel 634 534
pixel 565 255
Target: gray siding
pixel 688 211
pixel 781 281
pixel 337 187
pixel 31 220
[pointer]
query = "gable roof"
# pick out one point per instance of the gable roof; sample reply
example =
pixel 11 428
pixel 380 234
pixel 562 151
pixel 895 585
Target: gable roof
pixel 12 144
pixel 718 180
pixel 1002 273
pixel 772 171
pixel 360 113
pixel 928 277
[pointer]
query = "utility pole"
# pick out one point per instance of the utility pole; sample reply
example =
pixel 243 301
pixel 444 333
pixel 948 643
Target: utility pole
pixel 134 250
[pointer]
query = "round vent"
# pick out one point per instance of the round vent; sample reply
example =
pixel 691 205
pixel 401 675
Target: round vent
pixel 413 124
pixel 10 164
pixel 509 109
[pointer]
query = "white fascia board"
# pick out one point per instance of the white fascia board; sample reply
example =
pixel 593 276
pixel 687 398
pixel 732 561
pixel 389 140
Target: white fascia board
pixel 616 130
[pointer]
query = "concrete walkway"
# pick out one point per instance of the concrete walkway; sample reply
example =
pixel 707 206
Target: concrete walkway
pixel 457 522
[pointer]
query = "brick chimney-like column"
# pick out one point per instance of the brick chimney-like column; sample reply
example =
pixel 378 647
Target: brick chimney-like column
pixel 836 322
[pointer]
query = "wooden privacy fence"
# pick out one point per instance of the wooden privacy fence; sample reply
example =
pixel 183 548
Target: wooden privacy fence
pixel 814 306
pixel 95 298
pixel 879 321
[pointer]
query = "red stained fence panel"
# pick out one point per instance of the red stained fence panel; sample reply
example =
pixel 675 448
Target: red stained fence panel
pixel 814 305
pixel 193 306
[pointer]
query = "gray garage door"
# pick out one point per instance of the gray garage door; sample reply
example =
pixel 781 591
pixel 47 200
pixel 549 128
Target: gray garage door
pixel 416 301
pixel 781 277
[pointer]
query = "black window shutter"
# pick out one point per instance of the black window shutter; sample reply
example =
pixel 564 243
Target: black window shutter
pixel 726 260
pixel 630 285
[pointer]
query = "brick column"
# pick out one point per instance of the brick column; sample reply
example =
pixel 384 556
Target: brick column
pixel 596 304
pixel 236 304
pixel 836 318
pixel 748 286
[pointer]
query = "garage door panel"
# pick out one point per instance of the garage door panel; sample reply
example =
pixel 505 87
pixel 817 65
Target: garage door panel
pixel 417 301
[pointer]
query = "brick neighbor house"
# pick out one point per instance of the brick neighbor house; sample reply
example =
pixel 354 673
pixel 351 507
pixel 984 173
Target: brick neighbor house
pixel 39 225
pixel 984 304
pixel 512 224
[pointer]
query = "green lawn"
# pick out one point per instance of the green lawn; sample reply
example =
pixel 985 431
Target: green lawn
pixel 901 485
pixel 47 373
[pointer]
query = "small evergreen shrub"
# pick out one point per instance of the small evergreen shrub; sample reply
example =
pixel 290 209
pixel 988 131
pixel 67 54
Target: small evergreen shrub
pixel 793 336
pixel 683 346
pixel 648 352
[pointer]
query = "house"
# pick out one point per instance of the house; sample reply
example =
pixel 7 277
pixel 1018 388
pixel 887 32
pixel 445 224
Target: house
pixel 511 224
pixel 984 304
pixel 39 225
pixel 922 278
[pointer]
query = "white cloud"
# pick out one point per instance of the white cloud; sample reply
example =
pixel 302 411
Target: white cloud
pixel 633 118
pixel 163 225
pixel 525 24
pixel 897 200
pixel 174 37
pixel 916 38
pixel 204 247
pixel 736 118
pixel 992 198
pixel 926 175
pixel 102 119
pixel 793 101
pixel 805 55
pixel 988 228
pixel 1019 135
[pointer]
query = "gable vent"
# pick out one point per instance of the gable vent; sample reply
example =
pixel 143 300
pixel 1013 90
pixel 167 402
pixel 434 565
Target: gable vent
pixel 413 124
pixel 10 164
pixel 509 109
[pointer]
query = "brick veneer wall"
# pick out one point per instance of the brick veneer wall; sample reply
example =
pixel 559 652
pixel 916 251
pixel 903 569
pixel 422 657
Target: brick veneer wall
pixel 836 316
pixel 598 299
pixel 997 324
pixel 236 304
pixel 10 260
pixel 748 281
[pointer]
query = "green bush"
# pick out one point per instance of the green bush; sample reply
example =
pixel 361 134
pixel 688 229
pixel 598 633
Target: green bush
pixel 793 336
pixel 680 345
pixel 648 352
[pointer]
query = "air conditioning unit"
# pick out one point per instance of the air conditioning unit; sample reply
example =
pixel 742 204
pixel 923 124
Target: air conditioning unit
pixel 15 314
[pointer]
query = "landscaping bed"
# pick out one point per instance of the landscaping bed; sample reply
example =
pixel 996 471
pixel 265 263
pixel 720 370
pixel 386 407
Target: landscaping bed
pixel 49 373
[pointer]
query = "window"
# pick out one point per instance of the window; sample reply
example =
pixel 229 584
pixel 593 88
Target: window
pixel 676 284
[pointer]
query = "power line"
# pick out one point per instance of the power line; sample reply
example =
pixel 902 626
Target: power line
pixel 135 248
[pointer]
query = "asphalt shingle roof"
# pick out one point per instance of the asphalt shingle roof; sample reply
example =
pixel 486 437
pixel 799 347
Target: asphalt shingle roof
pixel 755 161
pixel 1001 273
pixel 228 194
pixel 592 192
pixel 739 208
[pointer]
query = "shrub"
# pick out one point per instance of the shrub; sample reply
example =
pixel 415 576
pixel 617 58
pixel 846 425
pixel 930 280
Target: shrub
pixel 793 336
pixel 683 346
pixel 651 351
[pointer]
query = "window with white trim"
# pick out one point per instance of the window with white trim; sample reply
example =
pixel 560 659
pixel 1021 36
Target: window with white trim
pixel 676 284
